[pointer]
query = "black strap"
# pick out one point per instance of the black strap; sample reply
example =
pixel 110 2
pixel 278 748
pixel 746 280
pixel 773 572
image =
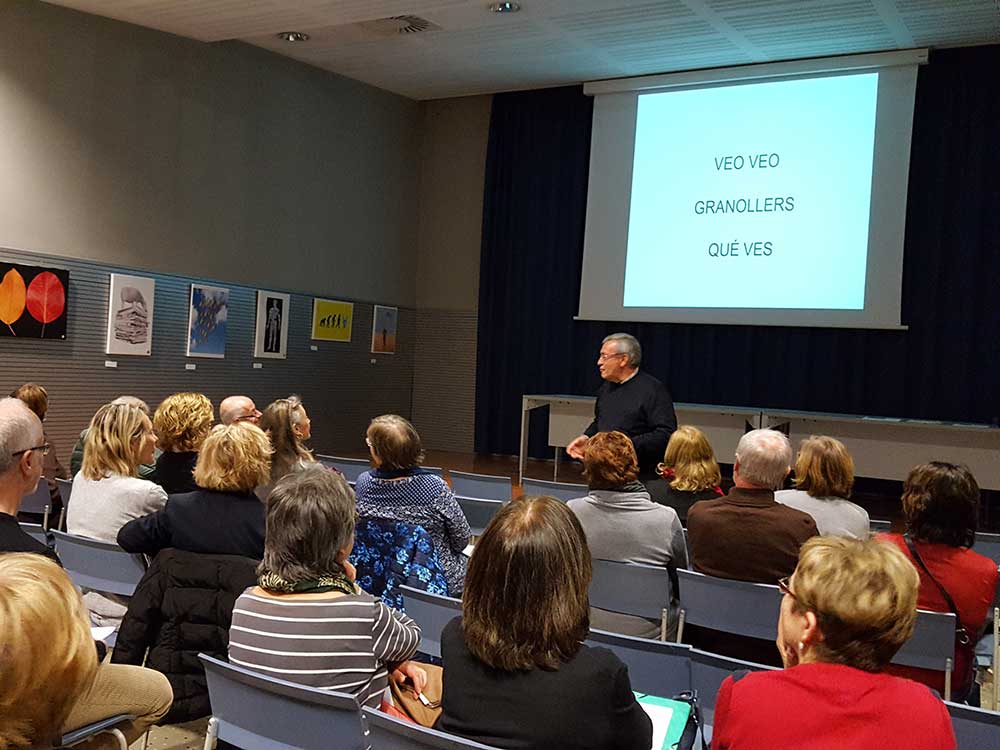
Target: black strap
pixel 675 584
pixel 961 635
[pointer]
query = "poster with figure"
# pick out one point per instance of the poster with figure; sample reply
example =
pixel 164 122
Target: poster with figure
pixel 33 301
pixel 207 321
pixel 384 330
pixel 130 315
pixel 271 337
pixel 332 320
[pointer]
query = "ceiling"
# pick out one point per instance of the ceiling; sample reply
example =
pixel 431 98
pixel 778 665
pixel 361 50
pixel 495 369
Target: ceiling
pixel 469 50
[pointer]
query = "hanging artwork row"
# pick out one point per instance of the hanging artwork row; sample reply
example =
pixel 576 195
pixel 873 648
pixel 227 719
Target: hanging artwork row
pixel 33 301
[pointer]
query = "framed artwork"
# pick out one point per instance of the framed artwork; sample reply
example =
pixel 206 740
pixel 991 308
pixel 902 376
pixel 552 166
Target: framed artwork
pixel 332 320
pixel 384 329
pixel 130 315
pixel 207 321
pixel 33 301
pixel 271 336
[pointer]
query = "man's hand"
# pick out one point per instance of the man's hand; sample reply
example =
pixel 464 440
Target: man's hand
pixel 410 670
pixel 575 449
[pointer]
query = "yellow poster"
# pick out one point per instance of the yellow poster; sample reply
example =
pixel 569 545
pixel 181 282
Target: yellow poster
pixel 332 320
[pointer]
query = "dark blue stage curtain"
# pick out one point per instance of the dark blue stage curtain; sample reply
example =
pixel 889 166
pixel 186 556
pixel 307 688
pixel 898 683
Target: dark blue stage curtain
pixel 946 366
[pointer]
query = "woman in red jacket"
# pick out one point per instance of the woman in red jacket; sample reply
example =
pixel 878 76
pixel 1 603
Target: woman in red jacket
pixel 845 612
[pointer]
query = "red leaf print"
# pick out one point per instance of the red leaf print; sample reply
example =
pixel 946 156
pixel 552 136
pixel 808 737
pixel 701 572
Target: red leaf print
pixel 46 297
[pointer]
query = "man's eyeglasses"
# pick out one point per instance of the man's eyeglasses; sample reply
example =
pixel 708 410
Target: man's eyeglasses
pixel 44 448
pixel 603 356
pixel 252 416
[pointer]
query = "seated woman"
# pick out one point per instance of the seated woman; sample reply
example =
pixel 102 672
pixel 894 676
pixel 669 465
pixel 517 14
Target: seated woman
pixel 181 423
pixel 624 525
pixel 824 476
pixel 223 516
pixel 107 494
pixel 845 612
pixel 306 621
pixel 516 672
pixel 689 472
pixel 288 426
pixel 941 507
pixel 398 489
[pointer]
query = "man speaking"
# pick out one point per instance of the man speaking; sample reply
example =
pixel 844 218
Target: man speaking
pixel 630 401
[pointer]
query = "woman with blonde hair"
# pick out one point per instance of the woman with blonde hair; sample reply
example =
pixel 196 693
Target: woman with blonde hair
pixel 107 494
pixel 181 422
pixel 845 612
pixel 824 476
pixel 689 472
pixel 223 516
pixel 287 424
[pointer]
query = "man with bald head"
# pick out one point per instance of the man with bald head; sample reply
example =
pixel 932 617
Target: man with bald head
pixel 238 409
pixel 22 451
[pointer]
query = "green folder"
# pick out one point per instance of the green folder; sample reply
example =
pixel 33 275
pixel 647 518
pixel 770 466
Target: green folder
pixel 669 718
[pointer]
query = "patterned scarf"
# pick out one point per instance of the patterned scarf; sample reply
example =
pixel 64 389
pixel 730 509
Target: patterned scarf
pixel 336 582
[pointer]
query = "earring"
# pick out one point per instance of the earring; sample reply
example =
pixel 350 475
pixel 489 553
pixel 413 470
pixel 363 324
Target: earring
pixel 802 646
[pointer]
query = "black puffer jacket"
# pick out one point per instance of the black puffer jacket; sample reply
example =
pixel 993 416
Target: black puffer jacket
pixel 182 607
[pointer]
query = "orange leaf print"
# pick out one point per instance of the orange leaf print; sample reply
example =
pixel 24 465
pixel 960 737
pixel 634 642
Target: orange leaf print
pixel 12 297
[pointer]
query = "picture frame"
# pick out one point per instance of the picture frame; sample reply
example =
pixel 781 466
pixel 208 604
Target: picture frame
pixel 271 333
pixel 208 313
pixel 131 302
pixel 384 327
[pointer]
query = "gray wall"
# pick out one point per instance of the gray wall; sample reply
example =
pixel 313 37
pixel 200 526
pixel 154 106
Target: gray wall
pixel 138 148
pixel 452 173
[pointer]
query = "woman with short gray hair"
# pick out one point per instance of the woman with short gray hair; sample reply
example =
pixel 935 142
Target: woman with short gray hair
pixel 307 621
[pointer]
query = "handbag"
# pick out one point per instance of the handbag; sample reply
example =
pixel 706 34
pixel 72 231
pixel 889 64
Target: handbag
pixel 423 712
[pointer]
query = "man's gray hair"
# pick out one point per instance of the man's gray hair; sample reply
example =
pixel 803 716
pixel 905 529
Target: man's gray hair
pixel 627 344
pixel 765 458
pixel 19 427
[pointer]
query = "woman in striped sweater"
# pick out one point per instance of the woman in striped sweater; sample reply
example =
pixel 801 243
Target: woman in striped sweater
pixel 307 621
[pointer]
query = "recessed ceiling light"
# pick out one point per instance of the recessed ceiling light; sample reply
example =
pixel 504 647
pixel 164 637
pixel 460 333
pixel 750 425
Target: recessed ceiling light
pixel 505 7
pixel 293 36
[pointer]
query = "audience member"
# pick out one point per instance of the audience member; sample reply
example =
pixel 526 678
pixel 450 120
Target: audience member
pixel 824 476
pixel 941 507
pixel 344 638
pixel 106 492
pixel 689 472
pixel 288 425
pixel 223 516
pixel 746 535
pixel 398 489
pixel 517 674
pixel 22 446
pixel 146 470
pixel 181 423
pixel 238 409
pixel 622 524
pixel 845 612
pixel 36 398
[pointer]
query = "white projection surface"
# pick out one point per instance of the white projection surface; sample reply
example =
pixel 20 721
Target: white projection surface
pixel 771 201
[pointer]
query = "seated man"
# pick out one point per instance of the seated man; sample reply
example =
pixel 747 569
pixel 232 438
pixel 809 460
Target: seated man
pixel 116 689
pixel 238 409
pixel 746 535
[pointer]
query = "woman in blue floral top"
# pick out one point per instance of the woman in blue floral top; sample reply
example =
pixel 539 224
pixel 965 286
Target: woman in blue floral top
pixel 398 489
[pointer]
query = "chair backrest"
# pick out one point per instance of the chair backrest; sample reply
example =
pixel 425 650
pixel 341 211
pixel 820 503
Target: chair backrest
pixel 654 667
pixel 431 612
pixel 481 485
pixel 35 531
pixel 559 490
pixel 707 673
pixel 389 554
pixel 39 501
pixel 630 589
pixel 389 733
pixel 433 469
pixel 879 526
pixel 749 609
pixel 65 490
pixel 351 468
pixel 932 645
pixel 256 712
pixel 479 511
pixel 988 545
pixel 100 566
pixel 975 728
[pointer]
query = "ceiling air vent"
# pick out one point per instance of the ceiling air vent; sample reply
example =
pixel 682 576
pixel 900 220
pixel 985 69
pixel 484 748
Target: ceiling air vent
pixel 386 27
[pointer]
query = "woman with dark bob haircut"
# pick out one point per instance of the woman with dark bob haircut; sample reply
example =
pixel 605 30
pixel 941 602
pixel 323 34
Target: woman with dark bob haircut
pixel 941 507
pixel 307 621
pixel 397 489
pixel 517 674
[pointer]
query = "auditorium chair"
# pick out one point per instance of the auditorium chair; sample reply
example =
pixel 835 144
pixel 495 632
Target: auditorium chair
pixel 559 490
pixel 485 486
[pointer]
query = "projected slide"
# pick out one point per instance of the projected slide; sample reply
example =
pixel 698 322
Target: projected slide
pixel 753 196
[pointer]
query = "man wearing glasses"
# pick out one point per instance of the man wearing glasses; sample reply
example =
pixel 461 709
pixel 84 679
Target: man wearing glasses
pixel 238 409
pixel 22 453
pixel 632 402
